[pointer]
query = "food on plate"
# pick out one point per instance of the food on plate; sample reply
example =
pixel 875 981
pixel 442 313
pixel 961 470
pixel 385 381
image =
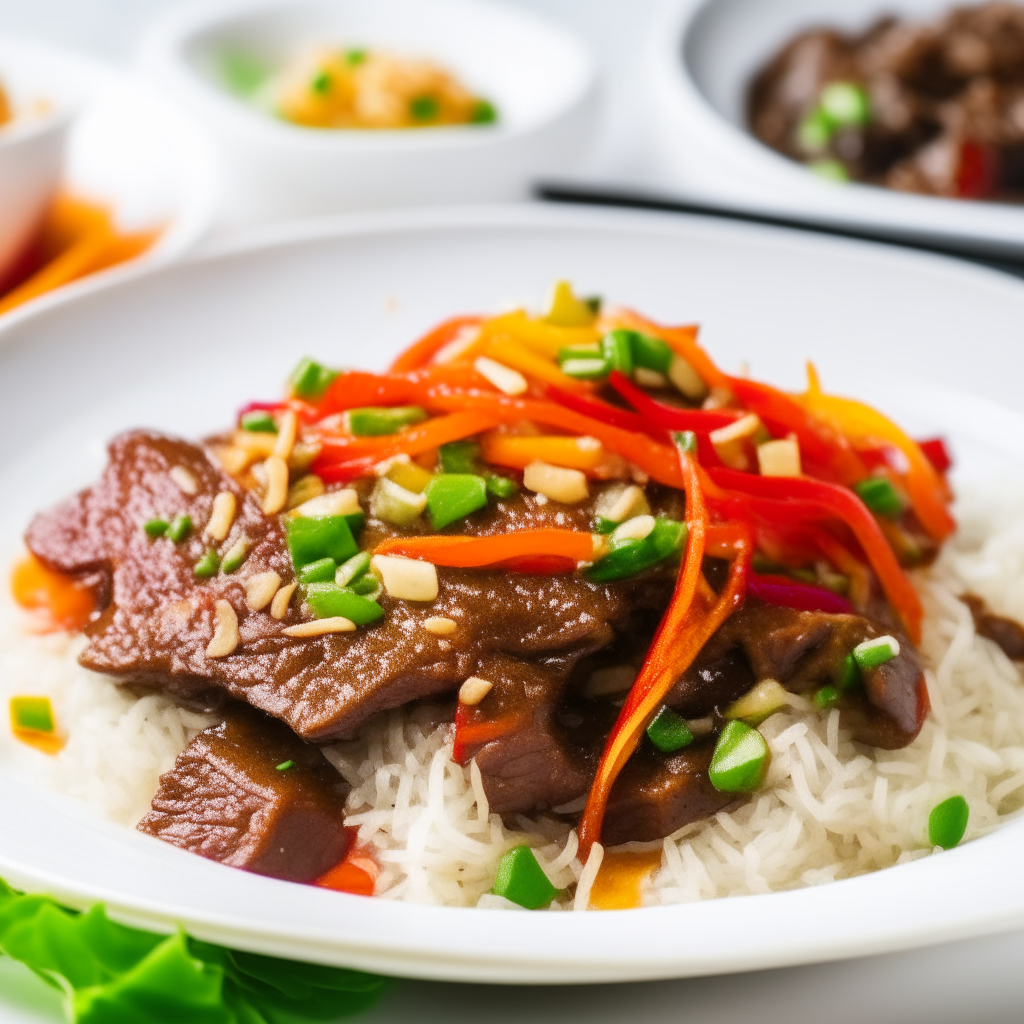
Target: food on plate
pixel 553 585
pixel 328 87
pixel 6 113
pixel 935 108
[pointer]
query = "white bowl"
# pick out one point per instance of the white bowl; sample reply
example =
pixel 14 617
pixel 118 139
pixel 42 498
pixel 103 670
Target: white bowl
pixel 32 146
pixel 541 80
pixel 704 53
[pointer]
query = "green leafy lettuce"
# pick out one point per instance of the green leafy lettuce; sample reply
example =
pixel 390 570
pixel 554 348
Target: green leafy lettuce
pixel 112 974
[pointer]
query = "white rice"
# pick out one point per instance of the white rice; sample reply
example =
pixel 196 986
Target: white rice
pixel 830 809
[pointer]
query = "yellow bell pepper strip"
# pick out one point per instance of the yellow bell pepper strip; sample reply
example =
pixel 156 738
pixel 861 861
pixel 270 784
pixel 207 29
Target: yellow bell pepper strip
pixel 860 423
pixel 475 552
pixel 583 453
pixel 542 338
pixel 535 367
pixel 693 614
pixel 421 352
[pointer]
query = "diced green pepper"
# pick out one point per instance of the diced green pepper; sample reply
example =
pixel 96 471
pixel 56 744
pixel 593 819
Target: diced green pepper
pixel 880 496
pixel 848 677
pixel 459 457
pixel 328 600
pixel 649 352
pixel 351 570
pixel 32 713
pixel 669 732
pixel 313 537
pixel 180 528
pixel 947 822
pixel 285 766
pixel 235 556
pixel 366 584
pixel 483 113
pixel 310 379
pixel 872 653
pixel 604 525
pixel 377 420
pixel 629 557
pixel 590 368
pixel 521 880
pixel 825 698
pixel 617 349
pixel 501 486
pixel 740 760
pixel 156 527
pixel 685 441
pixel 259 422
pixel 320 571
pixel 355 521
pixel 845 103
pixel 207 565
pixel 452 496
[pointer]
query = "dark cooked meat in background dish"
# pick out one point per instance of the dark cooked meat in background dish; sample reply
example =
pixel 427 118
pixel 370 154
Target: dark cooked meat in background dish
pixel 249 793
pixel 1009 635
pixel 946 101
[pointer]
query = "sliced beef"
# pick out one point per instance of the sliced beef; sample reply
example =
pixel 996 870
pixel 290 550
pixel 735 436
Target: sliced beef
pixel 1007 633
pixel 158 623
pixel 227 799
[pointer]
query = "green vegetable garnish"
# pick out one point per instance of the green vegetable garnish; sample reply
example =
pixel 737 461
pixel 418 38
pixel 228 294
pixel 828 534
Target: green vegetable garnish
pixel 156 527
pixel 234 557
pixel 825 698
pixel 685 441
pixel 501 486
pixel 880 496
pixel 321 83
pixel 815 132
pixel 423 108
pixel 459 457
pixel 375 421
pixel 180 528
pixel 605 526
pixel 207 565
pixel 259 422
pixel 844 103
pixel 452 496
pixel 310 379
pixel 32 713
pixel 629 557
pixel 617 349
pixel 832 170
pixel 483 113
pixel 352 569
pixel 367 585
pixel 592 368
pixel 320 571
pixel 669 732
pixel 522 880
pixel 242 72
pixel 947 822
pixel 740 760
pixel 284 766
pixel 872 653
pixel 328 600
pixel 848 677
pixel 648 352
pixel 311 538
pixel 355 57
pixel 111 974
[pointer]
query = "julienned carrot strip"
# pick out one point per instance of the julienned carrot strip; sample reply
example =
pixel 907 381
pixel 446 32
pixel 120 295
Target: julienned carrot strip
pixel 473 552
pixel 692 616
pixel 516 452
pixel 420 352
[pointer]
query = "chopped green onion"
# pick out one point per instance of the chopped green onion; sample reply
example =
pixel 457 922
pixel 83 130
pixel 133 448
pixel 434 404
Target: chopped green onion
pixel 285 766
pixel 604 525
pixel 617 349
pixel 321 83
pixel 685 441
pixel 825 698
pixel 459 457
pixel 355 57
pixel 669 732
pixel 367 585
pixel 520 879
pixel 156 527
pixel 394 504
pixel 947 822
pixel 501 486
pixel 259 422
pixel 32 713
pixel 578 352
pixel 740 760
pixel 423 108
pixel 483 113
pixel 848 677
pixel 180 528
pixel 207 565
pixel 355 567
pixel 845 103
pixel 815 132
pixel 375 421
pixel 760 702
pixel 314 537
pixel 594 368
pixel 880 496
pixel 832 170
pixel 872 653
pixel 649 352
pixel 235 556
pixel 630 556
pixel 452 496
pixel 320 571
pixel 310 379
pixel 328 600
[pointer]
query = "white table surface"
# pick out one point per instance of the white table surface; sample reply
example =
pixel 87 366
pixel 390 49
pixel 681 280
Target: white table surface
pixel 980 981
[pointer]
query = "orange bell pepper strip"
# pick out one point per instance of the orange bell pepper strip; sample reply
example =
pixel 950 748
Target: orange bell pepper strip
pixel 421 352
pixel 583 453
pixel 474 552
pixel 354 389
pixel 693 614
pixel 859 422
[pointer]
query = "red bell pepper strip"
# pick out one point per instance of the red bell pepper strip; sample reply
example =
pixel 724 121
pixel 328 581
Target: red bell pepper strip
pixel 668 417
pixel 473 552
pixel 354 389
pixel 420 352
pixel 936 452
pixel 848 508
pixel 793 594
pixel 596 409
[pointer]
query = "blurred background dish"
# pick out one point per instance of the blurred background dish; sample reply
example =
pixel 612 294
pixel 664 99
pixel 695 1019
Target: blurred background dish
pixel 705 54
pixel 527 90
pixel 112 174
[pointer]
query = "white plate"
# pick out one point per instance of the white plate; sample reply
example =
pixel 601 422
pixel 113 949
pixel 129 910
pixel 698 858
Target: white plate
pixel 181 348
pixel 703 54
pixel 130 149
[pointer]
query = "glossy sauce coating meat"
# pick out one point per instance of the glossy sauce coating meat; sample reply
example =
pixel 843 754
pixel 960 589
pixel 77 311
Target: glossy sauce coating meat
pixel 226 798
pixel 1007 633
